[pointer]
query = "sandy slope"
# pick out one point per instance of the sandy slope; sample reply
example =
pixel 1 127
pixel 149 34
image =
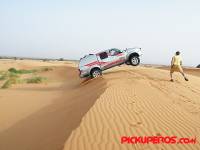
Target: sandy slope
pixel 74 114
pixel 41 117
pixel 22 100
pixel 140 102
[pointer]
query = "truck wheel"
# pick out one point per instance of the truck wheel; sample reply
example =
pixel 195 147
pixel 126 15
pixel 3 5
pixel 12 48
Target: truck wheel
pixel 96 73
pixel 134 60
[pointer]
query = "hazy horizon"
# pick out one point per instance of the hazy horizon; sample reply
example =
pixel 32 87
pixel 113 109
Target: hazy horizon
pixel 72 29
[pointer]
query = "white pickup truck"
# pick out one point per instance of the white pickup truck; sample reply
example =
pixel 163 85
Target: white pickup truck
pixel 93 64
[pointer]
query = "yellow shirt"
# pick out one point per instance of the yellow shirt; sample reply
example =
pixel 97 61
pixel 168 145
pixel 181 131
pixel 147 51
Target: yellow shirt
pixel 177 60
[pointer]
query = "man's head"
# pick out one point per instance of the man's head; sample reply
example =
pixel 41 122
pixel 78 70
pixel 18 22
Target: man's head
pixel 178 53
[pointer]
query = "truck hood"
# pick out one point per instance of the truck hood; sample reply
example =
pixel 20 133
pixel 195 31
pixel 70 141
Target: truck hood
pixel 134 50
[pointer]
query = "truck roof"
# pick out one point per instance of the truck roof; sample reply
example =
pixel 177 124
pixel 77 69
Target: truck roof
pixel 87 59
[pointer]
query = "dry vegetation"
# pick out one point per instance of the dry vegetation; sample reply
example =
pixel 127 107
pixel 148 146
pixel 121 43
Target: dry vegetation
pixel 14 76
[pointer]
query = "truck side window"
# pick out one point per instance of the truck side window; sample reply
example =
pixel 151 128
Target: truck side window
pixel 114 52
pixel 103 55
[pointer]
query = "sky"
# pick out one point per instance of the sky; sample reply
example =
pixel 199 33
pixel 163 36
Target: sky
pixel 73 28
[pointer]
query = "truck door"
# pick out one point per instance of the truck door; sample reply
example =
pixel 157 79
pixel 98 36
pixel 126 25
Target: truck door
pixel 111 58
pixel 116 57
pixel 103 60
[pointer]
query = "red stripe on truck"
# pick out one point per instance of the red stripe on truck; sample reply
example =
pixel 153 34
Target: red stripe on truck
pixel 120 54
pixel 95 63
pixel 92 63
pixel 102 63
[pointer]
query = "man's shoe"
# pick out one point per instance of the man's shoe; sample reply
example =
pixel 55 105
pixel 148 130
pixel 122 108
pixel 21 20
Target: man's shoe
pixel 186 79
pixel 172 80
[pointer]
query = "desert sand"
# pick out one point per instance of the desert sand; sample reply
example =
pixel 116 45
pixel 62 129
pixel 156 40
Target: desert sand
pixel 187 70
pixel 74 114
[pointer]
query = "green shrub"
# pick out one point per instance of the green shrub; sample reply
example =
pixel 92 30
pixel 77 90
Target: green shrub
pixel 12 70
pixel 10 74
pixel 26 71
pixel 6 85
pixel 22 71
pixel 13 75
pixel 3 76
pixel 35 80
pixel 9 82
pixel 46 69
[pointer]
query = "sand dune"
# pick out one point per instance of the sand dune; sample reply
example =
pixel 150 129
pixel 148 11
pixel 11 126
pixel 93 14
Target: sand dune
pixel 140 102
pixel 72 114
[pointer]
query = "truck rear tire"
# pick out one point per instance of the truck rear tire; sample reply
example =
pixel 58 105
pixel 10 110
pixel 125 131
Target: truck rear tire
pixel 95 73
pixel 134 60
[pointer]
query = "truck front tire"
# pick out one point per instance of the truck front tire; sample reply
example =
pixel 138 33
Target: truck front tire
pixel 95 73
pixel 134 60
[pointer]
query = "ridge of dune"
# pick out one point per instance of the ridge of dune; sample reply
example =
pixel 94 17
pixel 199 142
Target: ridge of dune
pixel 140 102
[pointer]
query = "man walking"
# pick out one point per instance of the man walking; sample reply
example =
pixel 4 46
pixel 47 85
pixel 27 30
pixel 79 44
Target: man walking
pixel 176 65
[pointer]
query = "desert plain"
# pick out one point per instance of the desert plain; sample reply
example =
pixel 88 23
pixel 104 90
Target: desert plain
pixel 68 113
